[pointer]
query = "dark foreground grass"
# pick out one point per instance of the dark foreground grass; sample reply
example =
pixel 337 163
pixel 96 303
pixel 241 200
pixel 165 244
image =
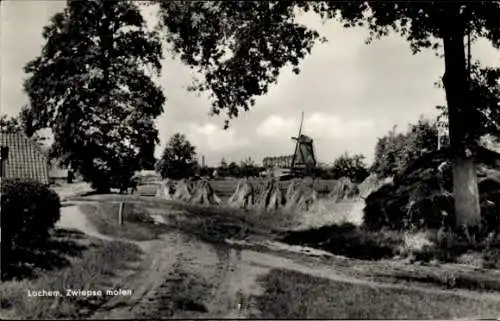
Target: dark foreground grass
pixel 137 224
pixel 47 254
pixel 95 270
pixel 348 240
pixel 215 224
pixel 293 295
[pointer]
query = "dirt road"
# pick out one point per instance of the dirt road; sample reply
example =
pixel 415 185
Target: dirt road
pixel 73 218
pixel 183 277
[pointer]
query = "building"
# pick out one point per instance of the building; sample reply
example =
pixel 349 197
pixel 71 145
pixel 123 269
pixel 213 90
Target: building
pixel 278 161
pixel 22 158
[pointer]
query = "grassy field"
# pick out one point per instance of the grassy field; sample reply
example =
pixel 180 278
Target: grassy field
pixel 211 223
pixel 99 267
pixel 137 224
pixel 293 295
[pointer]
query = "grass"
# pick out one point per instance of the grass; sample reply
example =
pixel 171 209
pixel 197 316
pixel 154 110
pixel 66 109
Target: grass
pixel 210 223
pixel 214 224
pixel 137 224
pixel 95 270
pixel 293 295
pixel 451 247
pixel 452 280
pixel 47 254
pixel 181 292
pixel 348 240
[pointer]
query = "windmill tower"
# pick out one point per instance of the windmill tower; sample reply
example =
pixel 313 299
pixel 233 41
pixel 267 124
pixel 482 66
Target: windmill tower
pixel 304 158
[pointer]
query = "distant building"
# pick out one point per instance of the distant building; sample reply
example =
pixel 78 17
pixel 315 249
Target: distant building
pixel 22 158
pixel 278 161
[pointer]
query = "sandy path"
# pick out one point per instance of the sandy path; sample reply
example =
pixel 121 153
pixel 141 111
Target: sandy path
pixel 147 284
pixel 73 218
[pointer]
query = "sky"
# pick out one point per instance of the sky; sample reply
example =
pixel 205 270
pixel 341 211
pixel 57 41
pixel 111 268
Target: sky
pixel 351 93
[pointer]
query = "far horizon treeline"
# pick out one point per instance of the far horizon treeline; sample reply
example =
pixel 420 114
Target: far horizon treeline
pixel 393 153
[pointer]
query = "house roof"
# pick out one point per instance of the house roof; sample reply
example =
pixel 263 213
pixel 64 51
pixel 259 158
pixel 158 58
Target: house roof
pixel 25 159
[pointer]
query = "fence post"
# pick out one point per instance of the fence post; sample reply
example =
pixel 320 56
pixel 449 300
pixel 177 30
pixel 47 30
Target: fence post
pixel 120 213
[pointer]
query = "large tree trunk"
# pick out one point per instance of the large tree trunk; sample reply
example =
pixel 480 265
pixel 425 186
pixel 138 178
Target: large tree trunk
pixel 465 186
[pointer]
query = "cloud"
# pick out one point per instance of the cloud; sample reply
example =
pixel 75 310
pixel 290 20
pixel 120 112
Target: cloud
pixel 329 126
pixel 276 126
pixel 212 138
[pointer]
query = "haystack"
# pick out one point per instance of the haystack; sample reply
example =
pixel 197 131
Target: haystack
pixel 343 189
pixel 294 184
pixel 270 197
pixel 243 196
pixel 300 195
pixel 166 190
pixel 369 185
pixel 204 194
pixel 183 191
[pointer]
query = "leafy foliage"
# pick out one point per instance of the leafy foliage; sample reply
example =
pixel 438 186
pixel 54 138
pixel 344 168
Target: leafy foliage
pixel 29 210
pixel 395 151
pixel 178 159
pixel 421 196
pixel 352 167
pixel 240 47
pixel 9 124
pixel 91 85
pixel 485 91
pixel 246 168
pixel 22 123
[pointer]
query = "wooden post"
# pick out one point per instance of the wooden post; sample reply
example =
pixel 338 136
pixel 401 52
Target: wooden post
pixel 120 213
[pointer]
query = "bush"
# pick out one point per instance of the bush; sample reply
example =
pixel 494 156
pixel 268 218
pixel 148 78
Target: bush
pixel 29 210
pixel 395 151
pixel 421 197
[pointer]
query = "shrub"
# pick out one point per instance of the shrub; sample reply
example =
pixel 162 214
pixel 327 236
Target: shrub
pixel 421 197
pixel 29 210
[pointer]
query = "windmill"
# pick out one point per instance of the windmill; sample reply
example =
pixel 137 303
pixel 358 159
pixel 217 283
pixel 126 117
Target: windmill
pixel 304 158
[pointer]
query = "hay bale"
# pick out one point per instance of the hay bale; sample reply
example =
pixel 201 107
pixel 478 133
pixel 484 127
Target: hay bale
pixel 270 196
pixel 243 196
pixel 342 189
pixel 300 195
pixel 166 189
pixel 204 194
pixel 183 191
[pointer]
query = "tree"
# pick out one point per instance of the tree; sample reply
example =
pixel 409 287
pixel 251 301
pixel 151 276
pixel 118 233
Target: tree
pixel 233 170
pixel 248 168
pixel 223 163
pixel 350 166
pixel 92 86
pixel 178 159
pixel 240 48
pixel 9 124
pixel 395 151
pixel 485 100
pixel 22 123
